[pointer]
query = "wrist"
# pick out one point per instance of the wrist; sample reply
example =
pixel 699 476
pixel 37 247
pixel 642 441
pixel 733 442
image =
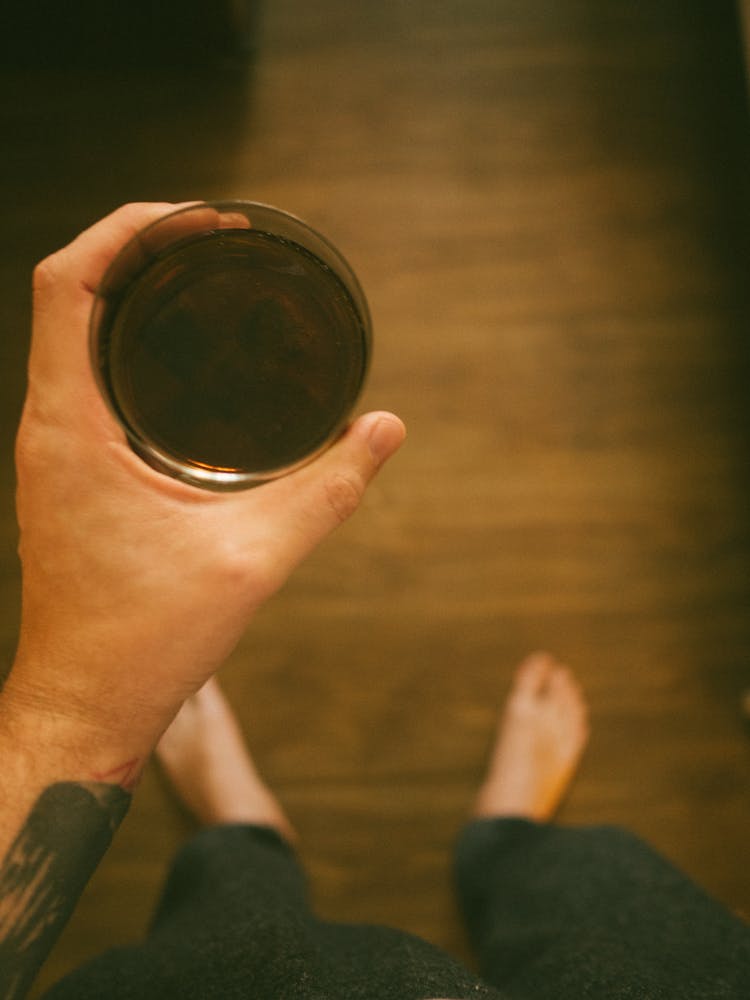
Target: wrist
pixel 49 738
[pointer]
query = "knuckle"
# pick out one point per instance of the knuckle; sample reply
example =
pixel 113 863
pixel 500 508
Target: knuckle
pixel 45 275
pixel 32 458
pixel 343 495
pixel 29 444
pixel 233 562
pixel 245 575
pixel 44 440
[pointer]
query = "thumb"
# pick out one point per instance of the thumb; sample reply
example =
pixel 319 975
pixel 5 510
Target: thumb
pixel 298 511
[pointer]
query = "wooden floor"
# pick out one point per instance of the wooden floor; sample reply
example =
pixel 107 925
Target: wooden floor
pixel 544 200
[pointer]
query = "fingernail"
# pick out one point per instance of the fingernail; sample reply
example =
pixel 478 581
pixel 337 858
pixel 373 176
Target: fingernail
pixel 385 437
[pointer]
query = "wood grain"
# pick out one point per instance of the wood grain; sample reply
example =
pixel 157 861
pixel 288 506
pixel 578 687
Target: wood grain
pixel 547 205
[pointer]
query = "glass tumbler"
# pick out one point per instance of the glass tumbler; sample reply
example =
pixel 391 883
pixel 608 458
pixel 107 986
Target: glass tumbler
pixel 231 341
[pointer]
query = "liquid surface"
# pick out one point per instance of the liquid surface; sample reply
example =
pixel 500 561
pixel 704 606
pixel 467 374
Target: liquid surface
pixel 235 351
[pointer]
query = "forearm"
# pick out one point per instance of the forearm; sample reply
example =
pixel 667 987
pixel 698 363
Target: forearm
pixel 63 793
pixel 118 558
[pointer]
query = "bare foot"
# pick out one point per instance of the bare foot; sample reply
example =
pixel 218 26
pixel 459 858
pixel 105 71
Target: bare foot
pixel 542 734
pixel 205 756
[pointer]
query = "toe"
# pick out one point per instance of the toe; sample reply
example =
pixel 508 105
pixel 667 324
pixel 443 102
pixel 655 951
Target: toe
pixel 563 686
pixel 567 701
pixel 533 674
pixel 561 681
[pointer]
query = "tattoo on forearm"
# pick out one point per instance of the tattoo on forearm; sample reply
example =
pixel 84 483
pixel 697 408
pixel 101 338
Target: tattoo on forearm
pixel 46 869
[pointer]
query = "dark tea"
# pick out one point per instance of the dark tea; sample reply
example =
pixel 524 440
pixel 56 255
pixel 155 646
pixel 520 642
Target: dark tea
pixel 235 351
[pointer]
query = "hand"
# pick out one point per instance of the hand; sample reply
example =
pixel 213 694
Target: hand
pixel 135 586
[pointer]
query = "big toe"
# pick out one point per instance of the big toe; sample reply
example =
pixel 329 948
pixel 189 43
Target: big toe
pixel 534 674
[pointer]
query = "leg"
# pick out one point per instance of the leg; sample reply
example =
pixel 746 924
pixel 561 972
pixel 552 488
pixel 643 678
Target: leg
pixel 244 850
pixel 205 756
pixel 207 760
pixel 234 910
pixel 542 734
pixel 595 913
pixel 234 919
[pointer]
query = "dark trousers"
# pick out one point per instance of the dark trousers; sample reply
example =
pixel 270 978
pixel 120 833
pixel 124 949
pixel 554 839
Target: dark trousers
pixel 552 913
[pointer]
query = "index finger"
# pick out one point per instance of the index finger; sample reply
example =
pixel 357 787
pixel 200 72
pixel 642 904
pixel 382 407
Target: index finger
pixel 82 263
pixel 64 288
